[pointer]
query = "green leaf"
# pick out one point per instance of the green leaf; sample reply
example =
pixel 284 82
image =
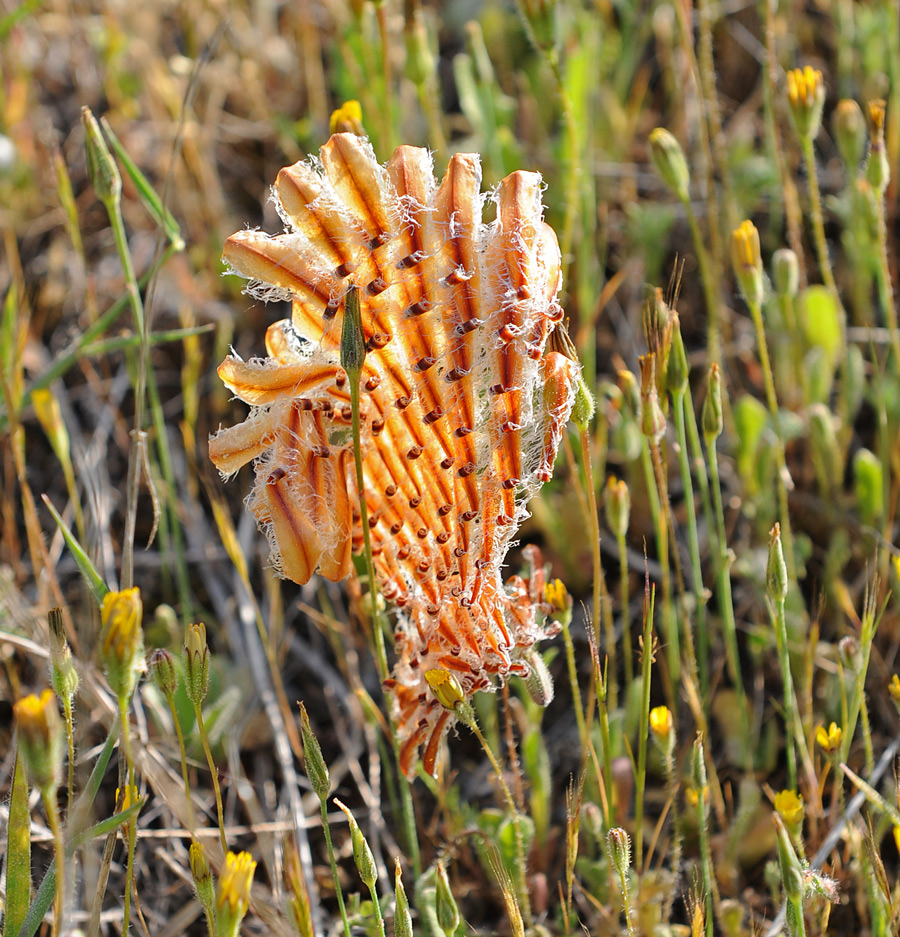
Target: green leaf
pixel 868 484
pixel 91 574
pixel 147 193
pixel 750 419
pixel 18 854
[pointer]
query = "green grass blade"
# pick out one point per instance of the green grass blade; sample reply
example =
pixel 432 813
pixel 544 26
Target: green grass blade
pixel 91 574
pixel 18 854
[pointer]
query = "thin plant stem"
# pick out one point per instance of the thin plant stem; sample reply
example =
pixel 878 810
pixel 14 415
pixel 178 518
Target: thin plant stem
pixel 576 690
pixel 788 681
pixel 70 747
pixel 198 714
pixel 48 795
pixel 624 604
pixel 640 779
pixel 702 648
pixel 598 580
pixel 726 602
pixel 326 829
pixel 192 824
pixel 772 400
pixel 818 226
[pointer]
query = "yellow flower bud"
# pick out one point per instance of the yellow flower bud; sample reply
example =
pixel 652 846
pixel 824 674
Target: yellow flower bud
pixel 661 721
pixel 39 732
pixel 122 640
pixel 348 119
pixel 747 262
pixel 894 688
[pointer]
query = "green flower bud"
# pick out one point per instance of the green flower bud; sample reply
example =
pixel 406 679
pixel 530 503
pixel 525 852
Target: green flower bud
pixel 195 659
pixel 204 886
pixel 163 672
pixel 711 417
pixel 402 917
pixel 538 682
pixel 39 732
pixel 353 338
pixel 776 568
pixel 868 484
pixel 677 369
pixel 785 272
pixel 445 904
pixel 670 162
pixel 849 128
pixel 618 506
pixel 618 844
pixel 102 168
pixel 878 169
pixel 313 762
pixel 362 854
pixel 63 676
pixel 653 421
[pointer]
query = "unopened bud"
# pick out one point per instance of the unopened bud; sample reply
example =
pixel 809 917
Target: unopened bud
pixel 446 908
pixel 39 731
pixel 677 369
pixel 849 128
pixel 122 640
pixel 313 762
pixel 670 162
pixel 348 119
pixel 195 658
pixel 362 853
pixel 402 917
pixel 791 870
pixel 63 675
pixel 618 844
pixel 163 672
pixel 785 272
pixel 353 338
pixel 878 169
pixel 653 421
pixel 102 168
pixel 747 262
pixel 711 417
pixel 618 506
pixel 204 885
pixel 776 568
pixel 538 681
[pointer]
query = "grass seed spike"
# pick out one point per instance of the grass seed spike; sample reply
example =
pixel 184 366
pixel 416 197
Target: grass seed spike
pixel 462 409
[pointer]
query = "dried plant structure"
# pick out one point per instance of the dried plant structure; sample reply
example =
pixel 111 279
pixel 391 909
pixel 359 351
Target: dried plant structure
pixel 462 409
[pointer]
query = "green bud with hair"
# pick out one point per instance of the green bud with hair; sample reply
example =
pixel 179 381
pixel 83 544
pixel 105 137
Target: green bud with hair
pixel 849 128
pixel 402 917
pixel 362 853
pixel 353 338
pixel 776 568
pixel 618 844
pixel 102 169
pixel 670 162
pixel 446 909
pixel 163 672
pixel 313 762
pixel 195 658
pixel 711 417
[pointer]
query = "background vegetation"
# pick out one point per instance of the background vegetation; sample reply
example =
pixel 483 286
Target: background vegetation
pixel 203 102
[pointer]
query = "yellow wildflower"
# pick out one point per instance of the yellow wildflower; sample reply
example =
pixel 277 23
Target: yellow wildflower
pixel 789 806
pixel 829 740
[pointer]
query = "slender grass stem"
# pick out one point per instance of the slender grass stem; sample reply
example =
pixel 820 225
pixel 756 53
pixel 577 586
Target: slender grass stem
pixel 816 220
pixel 329 845
pixel 726 602
pixel 576 690
pixel 214 774
pixel 70 748
pixel 640 779
pixel 788 682
pixel 702 643
pixel 624 602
